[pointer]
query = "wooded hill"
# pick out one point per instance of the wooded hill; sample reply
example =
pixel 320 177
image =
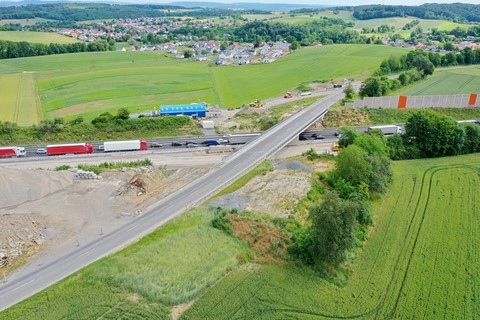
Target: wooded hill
pixel 458 12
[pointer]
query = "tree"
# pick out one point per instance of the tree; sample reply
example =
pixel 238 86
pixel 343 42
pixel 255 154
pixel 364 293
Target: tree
pixel 187 54
pixel 294 45
pixel 372 143
pixel 434 135
pixel 333 223
pixel 123 114
pixel 374 87
pixel 352 166
pixel 349 92
pixel 348 136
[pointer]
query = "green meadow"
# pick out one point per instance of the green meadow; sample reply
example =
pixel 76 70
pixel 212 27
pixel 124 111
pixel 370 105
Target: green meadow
pixel 88 84
pixel 421 261
pixel 462 80
pixel 36 37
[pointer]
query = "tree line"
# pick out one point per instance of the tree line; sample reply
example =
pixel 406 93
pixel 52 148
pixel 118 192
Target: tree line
pixel 10 49
pixel 458 12
pixel 102 11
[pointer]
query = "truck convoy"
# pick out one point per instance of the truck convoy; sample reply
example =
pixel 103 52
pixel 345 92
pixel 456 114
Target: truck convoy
pixel 9 152
pixel 127 145
pixel 387 130
pixel 71 148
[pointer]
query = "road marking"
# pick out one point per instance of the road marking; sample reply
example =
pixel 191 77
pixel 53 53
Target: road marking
pixel 82 254
pixel 23 285
pixel 131 228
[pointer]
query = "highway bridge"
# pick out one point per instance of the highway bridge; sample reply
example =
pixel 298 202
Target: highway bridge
pixel 26 282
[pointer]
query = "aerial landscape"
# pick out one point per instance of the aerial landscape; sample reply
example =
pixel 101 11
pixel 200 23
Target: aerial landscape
pixel 219 160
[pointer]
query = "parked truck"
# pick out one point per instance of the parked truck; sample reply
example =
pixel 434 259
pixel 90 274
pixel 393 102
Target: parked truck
pixel 127 145
pixel 387 129
pixel 70 148
pixel 9 152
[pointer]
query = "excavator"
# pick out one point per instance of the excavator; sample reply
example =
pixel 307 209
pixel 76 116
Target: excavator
pixel 256 104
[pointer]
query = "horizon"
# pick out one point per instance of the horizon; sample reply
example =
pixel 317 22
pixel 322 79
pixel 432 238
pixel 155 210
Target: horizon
pixel 292 2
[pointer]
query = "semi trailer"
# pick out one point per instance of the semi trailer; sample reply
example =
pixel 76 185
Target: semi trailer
pixel 9 152
pixel 70 148
pixel 127 145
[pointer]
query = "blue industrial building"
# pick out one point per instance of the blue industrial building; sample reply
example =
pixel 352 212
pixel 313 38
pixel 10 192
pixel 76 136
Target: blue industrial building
pixel 194 110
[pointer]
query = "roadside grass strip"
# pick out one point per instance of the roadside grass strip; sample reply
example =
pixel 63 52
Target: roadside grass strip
pixel 420 262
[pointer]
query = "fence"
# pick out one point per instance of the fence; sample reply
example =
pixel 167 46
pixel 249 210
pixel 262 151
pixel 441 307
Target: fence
pixel 411 102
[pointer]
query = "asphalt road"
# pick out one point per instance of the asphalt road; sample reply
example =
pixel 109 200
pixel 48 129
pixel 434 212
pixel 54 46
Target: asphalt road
pixel 21 285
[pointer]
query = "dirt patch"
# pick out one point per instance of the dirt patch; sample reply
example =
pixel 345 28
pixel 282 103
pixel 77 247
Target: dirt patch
pixel 345 117
pixel 46 209
pixel 267 241
pixel 276 193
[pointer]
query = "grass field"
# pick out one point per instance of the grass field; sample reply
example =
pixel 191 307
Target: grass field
pixel 421 261
pixel 399 23
pixel 35 37
pixel 170 266
pixel 453 81
pixel 88 84
pixel 23 22
pixel 237 85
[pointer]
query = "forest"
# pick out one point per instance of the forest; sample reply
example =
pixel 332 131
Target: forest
pixel 458 12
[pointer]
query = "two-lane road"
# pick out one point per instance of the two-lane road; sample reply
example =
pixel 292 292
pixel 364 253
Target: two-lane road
pixel 22 284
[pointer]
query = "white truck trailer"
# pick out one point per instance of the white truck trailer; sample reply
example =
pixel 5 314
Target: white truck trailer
pixel 127 145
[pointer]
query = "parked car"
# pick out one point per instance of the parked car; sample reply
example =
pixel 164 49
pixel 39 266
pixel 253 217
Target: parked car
pixel 176 144
pixel 317 136
pixel 156 145
pixel 41 151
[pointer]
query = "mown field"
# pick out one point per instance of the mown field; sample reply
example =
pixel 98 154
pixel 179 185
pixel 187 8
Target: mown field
pixel 168 267
pixel 36 37
pixel 454 81
pixel 88 84
pixel 421 261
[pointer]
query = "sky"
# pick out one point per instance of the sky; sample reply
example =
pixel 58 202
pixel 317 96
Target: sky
pixel 318 2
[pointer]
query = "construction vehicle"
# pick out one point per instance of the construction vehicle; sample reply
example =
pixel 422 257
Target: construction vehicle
pixel 336 147
pixel 256 104
pixel 288 95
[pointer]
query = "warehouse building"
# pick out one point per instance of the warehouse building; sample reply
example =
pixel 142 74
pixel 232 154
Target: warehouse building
pixel 194 110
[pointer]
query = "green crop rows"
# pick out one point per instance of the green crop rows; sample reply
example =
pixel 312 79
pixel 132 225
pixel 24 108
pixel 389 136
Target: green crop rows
pixel 421 262
pixel 454 81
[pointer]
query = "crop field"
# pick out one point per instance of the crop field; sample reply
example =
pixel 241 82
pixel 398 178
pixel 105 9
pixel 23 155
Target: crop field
pixel 237 85
pixel 453 81
pixel 170 266
pixel 35 37
pixel 399 23
pixel 88 84
pixel 422 260
pixel 16 107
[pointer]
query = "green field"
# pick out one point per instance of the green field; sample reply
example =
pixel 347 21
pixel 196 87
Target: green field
pixel 23 22
pixel 89 84
pixel 35 37
pixel 422 260
pixel 399 23
pixel 170 266
pixel 240 84
pixel 454 81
